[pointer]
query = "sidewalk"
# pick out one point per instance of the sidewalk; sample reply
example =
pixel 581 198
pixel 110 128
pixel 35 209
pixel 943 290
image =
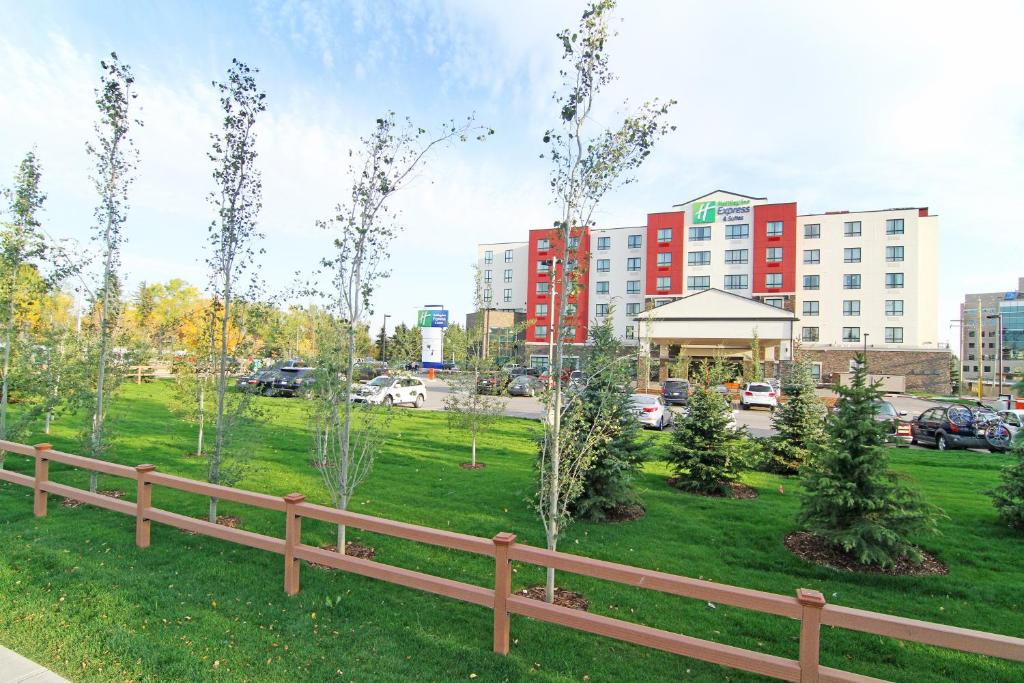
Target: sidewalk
pixel 16 669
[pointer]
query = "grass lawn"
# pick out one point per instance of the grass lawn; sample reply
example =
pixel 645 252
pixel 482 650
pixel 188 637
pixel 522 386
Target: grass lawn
pixel 78 596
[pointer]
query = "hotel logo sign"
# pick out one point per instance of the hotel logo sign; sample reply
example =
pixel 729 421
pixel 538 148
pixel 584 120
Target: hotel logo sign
pixel 728 210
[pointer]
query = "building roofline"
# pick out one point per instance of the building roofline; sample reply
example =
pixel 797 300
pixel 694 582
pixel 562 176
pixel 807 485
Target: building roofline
pixel 844 213
pixel 745 196
pixel 749 300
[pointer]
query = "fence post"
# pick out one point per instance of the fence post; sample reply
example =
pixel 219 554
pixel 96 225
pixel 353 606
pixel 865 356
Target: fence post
pixel 42 476
pixel 138 374
pixel 143 501
pixel 811 602
pixel 292 538
pixel 502 589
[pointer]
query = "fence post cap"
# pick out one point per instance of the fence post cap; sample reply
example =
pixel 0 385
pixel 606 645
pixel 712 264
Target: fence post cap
pixel 810 598
pixel 145 468
pixel 294 498
pixel 505 538
pixel 43 446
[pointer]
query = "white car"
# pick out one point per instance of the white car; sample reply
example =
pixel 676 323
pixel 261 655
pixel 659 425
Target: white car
pixel 652 411
pixel 1013 419
pixel 388 391
pixel 759 394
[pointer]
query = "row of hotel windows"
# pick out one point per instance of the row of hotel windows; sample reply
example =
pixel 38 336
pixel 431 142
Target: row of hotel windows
pixel 893 335
pixel 893 254
pixel 893 226
pixel 699 282
pixel 489 256
pixel 569 332
pixel 853 281
pixel 851 307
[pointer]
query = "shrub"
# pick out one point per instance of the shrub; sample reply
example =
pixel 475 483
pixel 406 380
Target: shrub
pixel 799 421
pixel 1008 497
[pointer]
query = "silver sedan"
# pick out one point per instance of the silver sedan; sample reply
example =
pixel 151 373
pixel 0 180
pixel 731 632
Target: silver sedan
pixel 651 411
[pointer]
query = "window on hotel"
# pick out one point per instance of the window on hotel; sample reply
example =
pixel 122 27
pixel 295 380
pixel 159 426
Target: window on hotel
pixel 632 286
pixel 570 310
pixel 773 255
pixel 812 255
pixel 773 280
pixel 601 310
pixel 540 310
pixel 740 231
pixel 543 267
pixel 775 228
pixel 698 258
pixel 633 309
pixel 699 234
pixel 894 280
pixel 812 231
pixel 664 283
pixel 893 254
pixel 602 287
pixel 633 264
pixel 665 234
pixel 851 281
pixel 811 308
pixel 851 307
pixel 695 282
pixel 574 243
pixel 507 296
pixel 630 332
pixel 540 331
pixel 852 229
pixel 894 307
pixel 662 302
pixel 812 282
pixel 488 257
pixel 508 275
pixel 570 266
pixel 635 241
pixel 851 255
pixel 664 258
pixel 851 334
pixel 604 265
pixel 488 277
pixel 736 256
pixel 604 243
pixel 543 244
pixel 487 295
pixel 816 371
pixel 894 226
pixel 736 282
pixel 809 334
pixel 569 332
pixel 508 256
pixel 894 335
pixel 775 301
pixel 542 287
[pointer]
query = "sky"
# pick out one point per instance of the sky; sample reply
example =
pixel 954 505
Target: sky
pixel 837 106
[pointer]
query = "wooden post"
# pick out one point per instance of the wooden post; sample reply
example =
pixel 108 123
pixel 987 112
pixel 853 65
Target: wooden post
pixel 42 475
pixel 138 374
pixel 502 589
pixel 292 538
pixel 143 501
pixel 810 633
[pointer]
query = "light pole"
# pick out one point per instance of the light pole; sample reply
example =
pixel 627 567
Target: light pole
pixel 959 324
pixel 384 338
pixel 866 335
pixel 998 317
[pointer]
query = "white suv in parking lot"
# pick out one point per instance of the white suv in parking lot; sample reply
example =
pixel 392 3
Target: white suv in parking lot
pixel 387 391
pixel 759 394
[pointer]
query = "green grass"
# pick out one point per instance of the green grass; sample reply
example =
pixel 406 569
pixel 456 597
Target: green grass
pixel 79 597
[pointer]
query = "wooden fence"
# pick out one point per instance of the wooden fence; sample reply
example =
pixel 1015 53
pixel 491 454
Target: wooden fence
pixel 807 606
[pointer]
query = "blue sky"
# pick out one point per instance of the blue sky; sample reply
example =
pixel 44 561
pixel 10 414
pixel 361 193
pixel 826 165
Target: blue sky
pixel 854 106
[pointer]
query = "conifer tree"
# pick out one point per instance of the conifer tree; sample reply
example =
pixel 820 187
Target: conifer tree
pixel 851 499
pixel 607 396
pixel 706 450
pixel 1008 497
pixel 799 422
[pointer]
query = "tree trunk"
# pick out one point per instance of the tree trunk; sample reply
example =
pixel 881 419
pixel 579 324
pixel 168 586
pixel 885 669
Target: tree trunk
pixel 341 538
pixel 473 461
pixel 101 373
pixel 202 396
pixel 213 510
pixel 213 476
pixel 8 338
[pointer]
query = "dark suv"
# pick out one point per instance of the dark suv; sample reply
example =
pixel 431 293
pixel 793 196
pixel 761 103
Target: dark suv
pixel 293 381
pixel 675 391
pixel 958 426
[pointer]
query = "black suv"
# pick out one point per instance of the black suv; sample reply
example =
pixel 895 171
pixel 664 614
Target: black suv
pixel 292 381
pixel 675 391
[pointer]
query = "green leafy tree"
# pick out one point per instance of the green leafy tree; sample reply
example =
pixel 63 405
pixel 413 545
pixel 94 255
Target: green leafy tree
pixel 954 375
pixel 851 498
pixel 1008 497
pixel 681 367
pixel 753 370
pixel 706 452
pixel 607 400
pixel 799 422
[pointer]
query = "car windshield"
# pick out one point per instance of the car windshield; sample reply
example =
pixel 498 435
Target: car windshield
pixel 885 408
pixel 522 379
pixel 644 400
pixel 676 385
pixel 759 388
pixel 381 381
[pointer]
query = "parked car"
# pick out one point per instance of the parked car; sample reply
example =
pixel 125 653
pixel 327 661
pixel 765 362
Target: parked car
pixel 384 390
pixel 651 411
pixel 1013 419
pixel 958 426
pixel 293 381
pixel 449 366
pixel 517 370
pixel 758 394
pixel 724 392
pixel 264 383
pixel 246 381
pixel 364 372
pixel 900 430
pixel 675 391
pixel 525 385
pixel 492 383
pixel 412 366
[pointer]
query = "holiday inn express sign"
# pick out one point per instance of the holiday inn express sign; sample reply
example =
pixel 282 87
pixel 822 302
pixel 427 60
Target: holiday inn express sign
pixel 432 317
pixel 729 210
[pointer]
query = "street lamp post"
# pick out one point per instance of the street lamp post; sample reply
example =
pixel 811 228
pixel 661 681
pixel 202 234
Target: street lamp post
pixel 999 351
pixel 384 339
pixel 866 335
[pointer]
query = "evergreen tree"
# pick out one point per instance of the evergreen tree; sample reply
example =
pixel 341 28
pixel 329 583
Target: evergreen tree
pixel 706 450
pixel 617 459
pixel 799 421
pixel 1008 497
pixel 851 499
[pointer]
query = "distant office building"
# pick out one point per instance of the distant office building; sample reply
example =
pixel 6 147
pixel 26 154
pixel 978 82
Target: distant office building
pixel 982 315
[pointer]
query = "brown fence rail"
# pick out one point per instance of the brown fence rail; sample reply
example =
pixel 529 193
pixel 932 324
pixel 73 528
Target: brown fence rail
pixel 807 606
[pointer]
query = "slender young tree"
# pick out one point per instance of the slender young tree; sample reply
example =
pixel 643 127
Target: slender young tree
pixel 363 228
pixel 799 422
pixel 115 159
pixel 851 499
pixel 1008 497
pixel 586 166
pixel 233 240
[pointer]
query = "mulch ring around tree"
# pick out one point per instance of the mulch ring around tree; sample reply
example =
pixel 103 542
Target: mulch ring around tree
pixel 563 598
pixel 471 466
pixel 317 464
pixel 817 550
pixel 625 513
pixel 73 503
pixel 737 490
pixel 229 521
pixel 358 550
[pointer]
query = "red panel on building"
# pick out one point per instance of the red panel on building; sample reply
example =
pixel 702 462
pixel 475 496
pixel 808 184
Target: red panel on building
pixel 543 253
pixel 763 215
pixel 672 220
